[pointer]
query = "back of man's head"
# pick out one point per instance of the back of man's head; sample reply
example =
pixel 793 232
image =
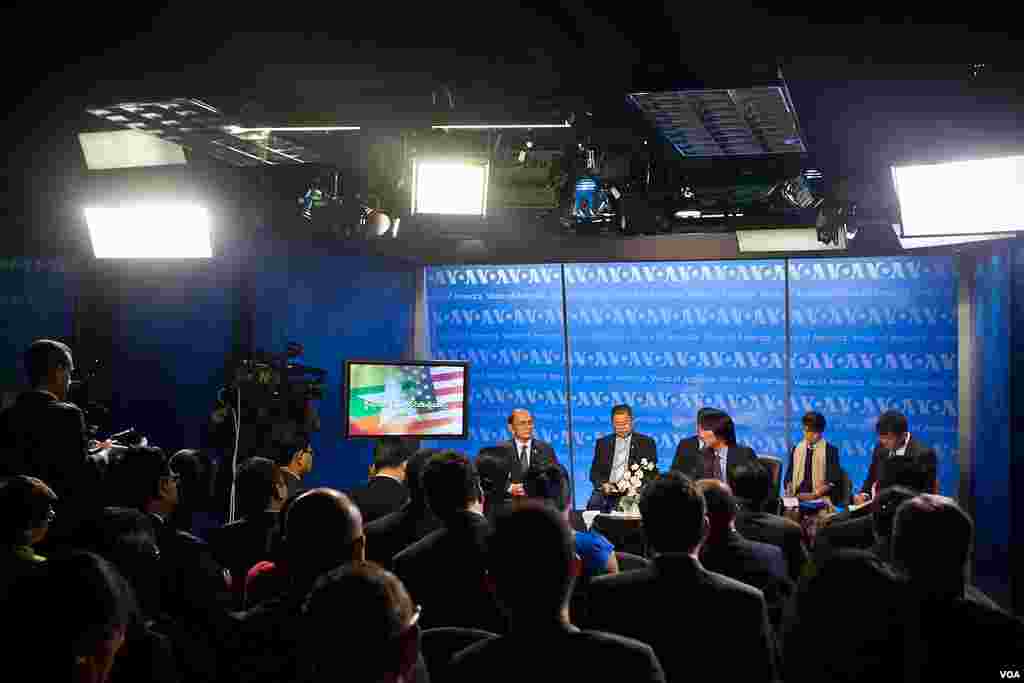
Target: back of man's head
pixel 368 610
pixel 888 501
pixel 259 481
pixel 910 473
pixel 126 537
pixel 450 484
pixel 25 504
pixel 389 453
pixel 44 356
pixel 752 483
pixel 323 530
pixel 285 444
pixel 494 475
pixel 414 476
pixel 721 504
pixel 549 484
pixel 892 422
pixel 931 541
pixel 673 513
pixel 138 477
pixel 530 557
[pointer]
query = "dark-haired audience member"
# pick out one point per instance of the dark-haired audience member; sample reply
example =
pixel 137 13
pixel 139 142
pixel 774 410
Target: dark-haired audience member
pixel 726 552
pixel 752 486
pixel 323 531
pixel 717 623
pixel 895 442
pixel 197 473
pixel 814 472
pixel 492 468
pixel 26 510
pixel 386 491
pixel 379 627
pixel 268 579
pixel 533 588
pixel 689 449
pixel 293 453
pixel 72 619
pixel 238 545
pixel 550 484
pixel 393 533
pixel 42 435
pixel 721 453
pixel 450 562
pixel 614 454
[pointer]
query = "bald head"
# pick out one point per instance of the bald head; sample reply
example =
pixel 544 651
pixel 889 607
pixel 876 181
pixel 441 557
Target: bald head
pixel 323 529
pixel 931 540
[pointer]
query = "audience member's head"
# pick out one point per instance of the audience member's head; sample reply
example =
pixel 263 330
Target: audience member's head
pixel 907 472
pixel 720 505
pixel 323 530
pixel 888 501
pixel 49 365
pixel 26 510
pixel 292 450
pixel 414 477
pixel 674 514
pixel 814 426
pixel 717 429
pixel 260 487
pixel 931 542
pixel 531 555
pixel 368 610
pixel 142 478
pixel 390 455
pixel 451 485
pixel 549 484
pixel 72 618
pixel 197 473
pixel 892 429
pixel 126 538
pixel 494 477
pixel 752 484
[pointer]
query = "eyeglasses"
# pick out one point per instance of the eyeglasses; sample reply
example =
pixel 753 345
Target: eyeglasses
pixel 51 514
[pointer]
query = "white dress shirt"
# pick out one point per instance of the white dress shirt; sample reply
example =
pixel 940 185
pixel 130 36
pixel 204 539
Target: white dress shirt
pixel 723 455
pixel 620 457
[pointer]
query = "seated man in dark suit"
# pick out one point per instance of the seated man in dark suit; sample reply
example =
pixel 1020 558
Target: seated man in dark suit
pixel 386 491
pixel 752 485
pixel 689 449
pixel 362 627
pixel 444 571
pixel 720 455
pixel 530 560
pixel 895 441
pixel 814 472
pixel 393 533
pixel 725 551
pixel 492 467
pixel 931 544
pixel 614 456
pixel 240 544
pixel 522 450
pixel 42 435
pixel 716 621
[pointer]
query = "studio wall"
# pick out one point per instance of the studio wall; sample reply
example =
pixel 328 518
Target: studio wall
pixel 864 335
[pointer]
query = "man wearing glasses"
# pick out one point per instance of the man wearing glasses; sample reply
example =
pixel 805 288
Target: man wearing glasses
pixel 293 453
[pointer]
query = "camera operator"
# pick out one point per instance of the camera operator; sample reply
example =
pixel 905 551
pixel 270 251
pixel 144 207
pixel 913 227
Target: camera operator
pixel 44 436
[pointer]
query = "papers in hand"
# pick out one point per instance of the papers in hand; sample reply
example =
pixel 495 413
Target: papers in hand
pixel 854 506
pixel 790 502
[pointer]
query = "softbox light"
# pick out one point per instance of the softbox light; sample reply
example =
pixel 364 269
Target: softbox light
pixel 150 231
pixel 449 186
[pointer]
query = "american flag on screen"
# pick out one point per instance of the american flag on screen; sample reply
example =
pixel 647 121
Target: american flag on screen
pixel 435 397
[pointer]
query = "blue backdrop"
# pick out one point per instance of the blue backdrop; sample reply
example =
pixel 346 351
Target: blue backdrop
pixel 508 322
pixel 866 335
pixel 669 338
pixel 869 335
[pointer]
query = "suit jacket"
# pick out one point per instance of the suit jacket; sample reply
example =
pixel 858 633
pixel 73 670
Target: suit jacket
pixel 541 453
pixel 239 545
pixel 192 580
pixel 833 473
pixel 692 461
pixel 393 533
pixel 851 533
pixel 444 573
pixel 717 624
pixel 686 454
pixel 915 449
pixel 380 496
pixel 760 565
pixel 564 654
pixel 641 447
pixel 778 531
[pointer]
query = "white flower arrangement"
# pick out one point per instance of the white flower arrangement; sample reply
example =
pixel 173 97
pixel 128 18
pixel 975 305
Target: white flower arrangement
pixel 631 484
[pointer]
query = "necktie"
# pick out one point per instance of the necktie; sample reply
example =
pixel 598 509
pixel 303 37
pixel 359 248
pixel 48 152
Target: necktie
pixel 712 467
pixel 807 486
pixel 522 459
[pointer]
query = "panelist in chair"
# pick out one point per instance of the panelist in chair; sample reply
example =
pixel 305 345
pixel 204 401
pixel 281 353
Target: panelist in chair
pixel 689 448
pixel 720 455
pixel 814 472
pixel 895 441
pixel 522 450
pixel 614 455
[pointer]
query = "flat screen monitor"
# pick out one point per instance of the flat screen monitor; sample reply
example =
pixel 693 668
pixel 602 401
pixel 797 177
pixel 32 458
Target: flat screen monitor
pixel 426 399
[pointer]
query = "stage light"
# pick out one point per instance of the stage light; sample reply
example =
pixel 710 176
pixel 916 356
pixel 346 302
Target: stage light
pixel 240 130
pixel 499 126
pixel 449 187
pixel 128 149
pixel 944 241
pixel 975 197
pixel 163 231
pixel 785 240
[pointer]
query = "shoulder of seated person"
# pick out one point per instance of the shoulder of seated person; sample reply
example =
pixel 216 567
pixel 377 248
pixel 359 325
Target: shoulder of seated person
pixel 730 585
pixel 64 407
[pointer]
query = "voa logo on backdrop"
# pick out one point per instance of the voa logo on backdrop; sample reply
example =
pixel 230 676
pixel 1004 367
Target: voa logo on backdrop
pixel 498 317
pixel 863 316
pixel 873 406
pixel 750 360
pixel 491 435
pixel 823 360
pixel 882 269
pixel 734 403
pixel 639 274
pixel 502 357
pixel 661 316
pixel 489 277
